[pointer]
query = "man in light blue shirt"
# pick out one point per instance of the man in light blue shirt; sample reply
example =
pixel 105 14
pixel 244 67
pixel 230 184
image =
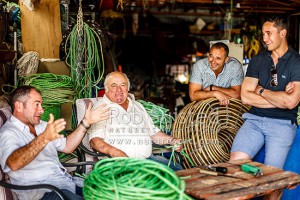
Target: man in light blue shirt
pixel 217 76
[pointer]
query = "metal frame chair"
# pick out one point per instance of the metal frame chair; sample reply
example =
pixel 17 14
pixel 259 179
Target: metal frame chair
pixel 90 155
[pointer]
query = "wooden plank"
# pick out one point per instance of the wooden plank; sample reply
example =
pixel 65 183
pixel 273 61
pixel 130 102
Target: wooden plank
pixel 260 190
pixel 41 28
pixel 239 187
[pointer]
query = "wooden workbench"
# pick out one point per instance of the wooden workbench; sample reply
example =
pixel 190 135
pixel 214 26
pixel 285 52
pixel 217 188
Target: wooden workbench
pixel 203 186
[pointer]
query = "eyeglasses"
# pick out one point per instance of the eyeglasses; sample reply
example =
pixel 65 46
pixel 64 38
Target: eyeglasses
pixel 274 81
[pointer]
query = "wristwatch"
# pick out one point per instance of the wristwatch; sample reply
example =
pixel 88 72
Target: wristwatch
pixel 261 91
pixel 210 87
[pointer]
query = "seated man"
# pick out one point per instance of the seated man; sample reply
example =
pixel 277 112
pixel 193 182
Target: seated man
pixel 28 146
pixel 218 76
pixel 129 131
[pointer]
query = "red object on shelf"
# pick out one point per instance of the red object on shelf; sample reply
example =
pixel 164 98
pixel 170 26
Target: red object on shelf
pixel 101 92
pixel 106 5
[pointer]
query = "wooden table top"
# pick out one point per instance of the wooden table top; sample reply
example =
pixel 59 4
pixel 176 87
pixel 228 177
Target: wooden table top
pixel 203 186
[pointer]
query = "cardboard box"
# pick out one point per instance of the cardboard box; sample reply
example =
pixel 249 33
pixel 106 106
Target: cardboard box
pixel 58 67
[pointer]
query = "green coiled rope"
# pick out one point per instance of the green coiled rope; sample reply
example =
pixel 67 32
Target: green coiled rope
pixel 87 69
pixel 55 89
pixel 132 178
pixel 159 115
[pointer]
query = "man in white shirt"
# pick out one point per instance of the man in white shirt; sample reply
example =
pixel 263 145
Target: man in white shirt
pixel 129 131
pixel 28 145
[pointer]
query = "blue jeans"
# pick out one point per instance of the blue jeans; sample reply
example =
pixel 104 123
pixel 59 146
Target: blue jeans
pixel 69 195
pixel 277 135
pixel 165 161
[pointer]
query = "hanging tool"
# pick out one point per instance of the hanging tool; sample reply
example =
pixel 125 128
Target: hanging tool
pixel 219 174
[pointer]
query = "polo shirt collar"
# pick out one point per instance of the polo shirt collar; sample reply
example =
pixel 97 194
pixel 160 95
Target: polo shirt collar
pixel 286 55
pixel 18 124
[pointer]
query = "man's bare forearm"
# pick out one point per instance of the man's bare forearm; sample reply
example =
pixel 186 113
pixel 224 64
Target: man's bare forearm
pixel 234 93
pixel 24 155
pixel 280 99
pixel 102 147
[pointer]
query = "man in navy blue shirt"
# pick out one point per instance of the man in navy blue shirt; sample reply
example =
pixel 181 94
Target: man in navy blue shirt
pixel 272 88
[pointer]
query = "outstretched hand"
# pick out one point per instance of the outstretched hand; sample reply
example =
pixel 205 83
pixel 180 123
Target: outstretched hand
pixel 54 128
pixel 95 115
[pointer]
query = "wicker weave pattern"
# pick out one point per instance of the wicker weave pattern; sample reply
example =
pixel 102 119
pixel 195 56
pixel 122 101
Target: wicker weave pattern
pixel 210 128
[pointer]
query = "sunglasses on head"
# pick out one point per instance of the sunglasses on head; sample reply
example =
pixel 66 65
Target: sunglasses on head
pixel 274 81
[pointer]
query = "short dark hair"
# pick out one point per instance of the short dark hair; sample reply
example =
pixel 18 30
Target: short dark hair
pixel 280 22
pixel 20 94
pixel 220 45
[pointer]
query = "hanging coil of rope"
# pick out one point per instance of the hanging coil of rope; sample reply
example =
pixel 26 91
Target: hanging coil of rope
pixel 159 116
pixel 85 58
pixel 211 129
pixel 133 178
pixel 28 64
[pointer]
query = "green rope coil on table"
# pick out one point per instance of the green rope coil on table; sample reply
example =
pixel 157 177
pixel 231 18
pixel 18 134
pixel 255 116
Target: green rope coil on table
pixel 159 115
pixel 133 178
pixel 211 129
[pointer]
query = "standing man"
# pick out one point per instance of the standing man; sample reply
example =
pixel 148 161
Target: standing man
pixel 130 130
pixel 218 76
pixel 272 88
pixel 28 146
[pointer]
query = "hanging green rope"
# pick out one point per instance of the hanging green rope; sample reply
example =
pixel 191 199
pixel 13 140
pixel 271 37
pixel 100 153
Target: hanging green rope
pixel 85 58
pixel 182 152
pixel 133 178
pixel 159 115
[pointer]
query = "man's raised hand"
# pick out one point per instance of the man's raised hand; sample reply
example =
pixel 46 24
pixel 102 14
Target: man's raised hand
pixel 54 128
pixel 95 115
